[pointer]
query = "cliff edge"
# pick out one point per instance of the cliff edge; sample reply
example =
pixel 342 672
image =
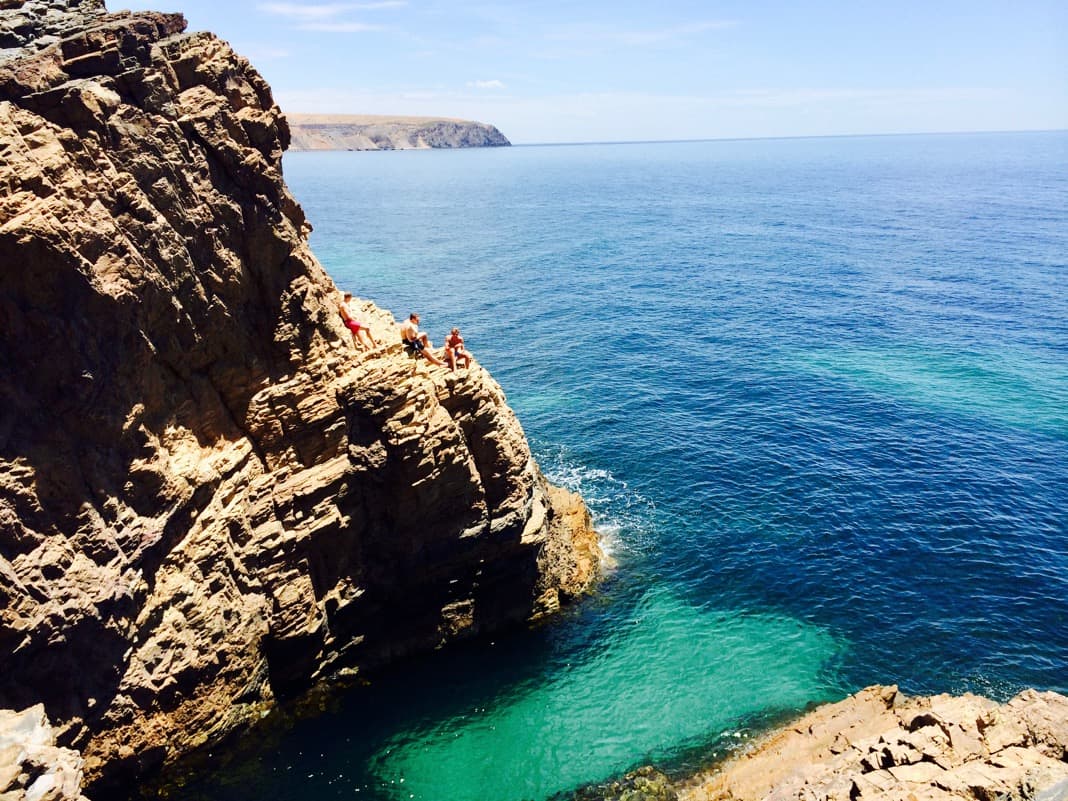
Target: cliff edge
pixel 372 132
pixel 208 498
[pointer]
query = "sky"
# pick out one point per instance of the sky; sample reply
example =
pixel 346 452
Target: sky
pixel 552 71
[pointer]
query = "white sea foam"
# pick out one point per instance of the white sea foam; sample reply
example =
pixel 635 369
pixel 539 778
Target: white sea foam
pixel 622 517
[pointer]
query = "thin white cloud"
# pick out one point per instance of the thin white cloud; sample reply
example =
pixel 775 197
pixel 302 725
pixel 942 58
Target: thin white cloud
pixel 608 35
pixel 340 27
pixel 306 12
pixel 781 98
pixel 258 53
pixel 494 84
pixel 325 11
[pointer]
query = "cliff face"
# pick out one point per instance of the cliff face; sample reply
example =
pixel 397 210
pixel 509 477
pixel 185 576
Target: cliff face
pixel 368 132
pixel 208 497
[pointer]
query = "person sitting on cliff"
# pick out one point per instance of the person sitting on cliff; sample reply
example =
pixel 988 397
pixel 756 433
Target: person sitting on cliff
pixel 358 329
pixel 417 342
pixel 455 351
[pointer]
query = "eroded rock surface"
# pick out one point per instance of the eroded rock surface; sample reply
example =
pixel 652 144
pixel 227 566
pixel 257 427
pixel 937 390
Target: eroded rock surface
pixel 32 767
pixel 880 745
pixel 208 497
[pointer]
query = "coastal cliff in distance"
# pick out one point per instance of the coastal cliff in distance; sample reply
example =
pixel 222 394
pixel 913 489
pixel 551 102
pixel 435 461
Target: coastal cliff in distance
pixel 371 132
pixel 209 499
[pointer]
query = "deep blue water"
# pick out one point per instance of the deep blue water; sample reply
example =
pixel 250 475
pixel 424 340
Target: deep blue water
pixel 815 392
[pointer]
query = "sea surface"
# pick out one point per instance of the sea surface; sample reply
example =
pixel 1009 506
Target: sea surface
pixel 815 393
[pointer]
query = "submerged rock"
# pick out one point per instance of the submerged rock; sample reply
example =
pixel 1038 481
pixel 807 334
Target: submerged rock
pixel 208 497
pixel 644 784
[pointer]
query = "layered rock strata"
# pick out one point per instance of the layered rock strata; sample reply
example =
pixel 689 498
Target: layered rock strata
pixel 880 745
pixel 208 497
pixel 371 132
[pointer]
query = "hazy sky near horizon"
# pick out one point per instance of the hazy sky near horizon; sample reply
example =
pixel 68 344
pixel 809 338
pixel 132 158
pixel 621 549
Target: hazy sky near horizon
pixel 551 71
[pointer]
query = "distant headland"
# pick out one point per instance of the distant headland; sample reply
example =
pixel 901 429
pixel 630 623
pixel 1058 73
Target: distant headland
pixel 375 132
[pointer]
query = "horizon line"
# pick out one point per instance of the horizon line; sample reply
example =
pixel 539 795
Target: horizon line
pixel 594 142
pixel 783 136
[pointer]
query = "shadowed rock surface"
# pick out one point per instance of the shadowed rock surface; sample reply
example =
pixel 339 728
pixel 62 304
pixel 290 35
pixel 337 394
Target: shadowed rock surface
pixel 370 132
pixel 208 497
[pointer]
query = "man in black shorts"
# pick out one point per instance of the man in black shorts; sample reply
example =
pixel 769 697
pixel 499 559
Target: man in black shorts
pixel 417 341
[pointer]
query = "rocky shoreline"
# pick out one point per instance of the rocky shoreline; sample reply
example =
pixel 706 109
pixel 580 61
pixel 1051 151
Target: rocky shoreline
pixel 878 744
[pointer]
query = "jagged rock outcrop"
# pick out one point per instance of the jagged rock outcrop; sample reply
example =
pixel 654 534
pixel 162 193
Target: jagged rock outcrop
pixel 28 25
pixel 877 744
pixel 32 767
pixel 208 497
pixel 372 132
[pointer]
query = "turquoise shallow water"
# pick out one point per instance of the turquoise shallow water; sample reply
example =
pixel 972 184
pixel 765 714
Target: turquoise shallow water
pixel 815 393
pixel 566 729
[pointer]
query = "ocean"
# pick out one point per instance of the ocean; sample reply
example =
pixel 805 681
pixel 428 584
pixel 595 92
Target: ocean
pixel 815 393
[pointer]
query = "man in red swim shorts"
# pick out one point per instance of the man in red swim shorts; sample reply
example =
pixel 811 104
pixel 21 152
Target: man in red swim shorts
pixel 358 329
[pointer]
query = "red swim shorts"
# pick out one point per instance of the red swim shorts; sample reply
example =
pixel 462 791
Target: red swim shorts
pixel 352 325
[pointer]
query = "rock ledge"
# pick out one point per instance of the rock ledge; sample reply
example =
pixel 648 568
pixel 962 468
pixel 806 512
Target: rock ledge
pixel 877 744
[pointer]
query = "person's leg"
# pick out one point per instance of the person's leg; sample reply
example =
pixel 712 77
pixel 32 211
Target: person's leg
pixel 354 329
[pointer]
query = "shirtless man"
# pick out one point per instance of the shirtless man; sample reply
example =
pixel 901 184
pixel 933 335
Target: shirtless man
pixel 416 340
pixel 357 329
pixel 454 350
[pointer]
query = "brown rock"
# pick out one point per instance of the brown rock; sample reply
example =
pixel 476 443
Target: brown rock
pixel 207 498
pixel 889 747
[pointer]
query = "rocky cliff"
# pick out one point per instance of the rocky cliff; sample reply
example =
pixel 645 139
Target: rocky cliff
pixel 209 498
pixel 369 132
